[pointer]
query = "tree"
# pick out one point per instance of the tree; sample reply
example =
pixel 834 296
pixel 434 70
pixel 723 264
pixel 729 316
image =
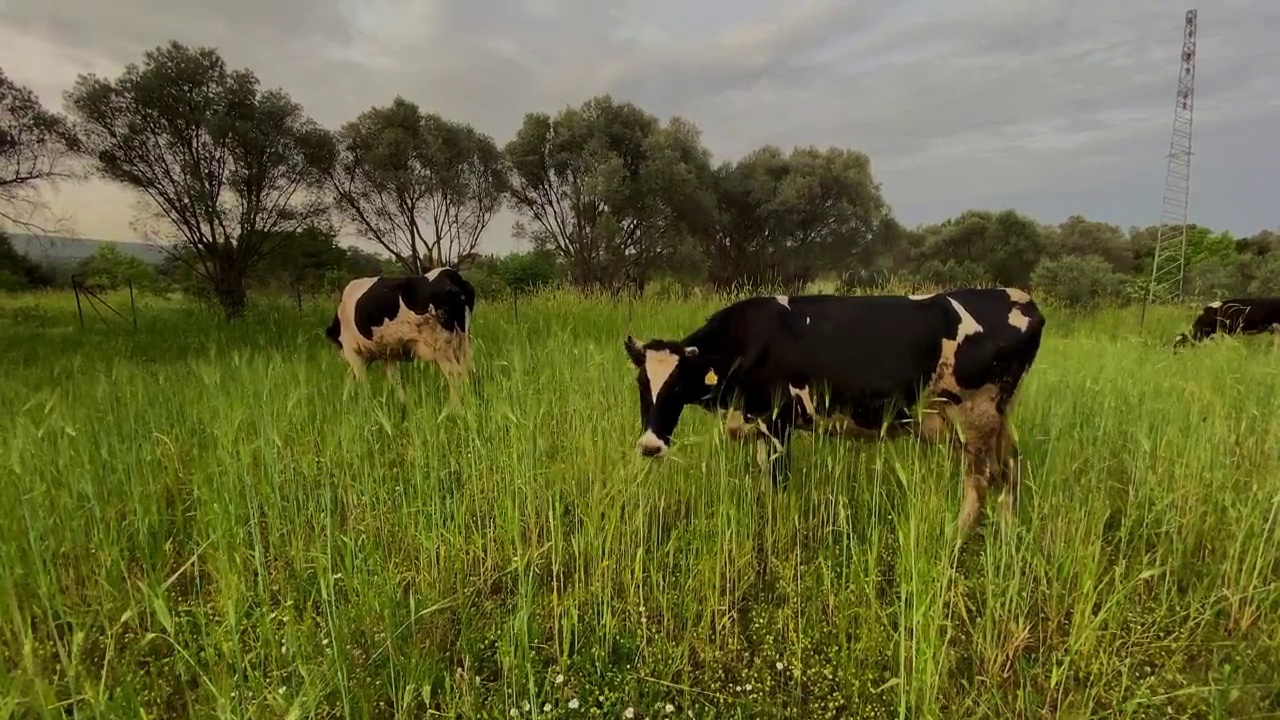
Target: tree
pixel 1261 244
pixel 110 269
pixel 608 188
pixel 226 166
pixel 308 261
pixel 1080 281
pixel 780 218
pixel 421 187
pixel 1004 246
pixel 36 147
pixel 17 271
pixel 1080 236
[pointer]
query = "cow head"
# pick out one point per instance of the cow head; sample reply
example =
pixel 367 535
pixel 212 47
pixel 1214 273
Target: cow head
pixel 670 376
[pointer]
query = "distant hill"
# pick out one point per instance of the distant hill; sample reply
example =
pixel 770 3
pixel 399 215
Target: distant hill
pixel 60 250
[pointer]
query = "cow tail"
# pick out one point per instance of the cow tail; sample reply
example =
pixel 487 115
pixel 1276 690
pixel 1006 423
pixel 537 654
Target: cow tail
pixel 334 331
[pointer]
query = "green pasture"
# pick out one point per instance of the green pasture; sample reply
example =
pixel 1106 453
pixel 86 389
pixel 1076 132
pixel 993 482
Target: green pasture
pixel 209 520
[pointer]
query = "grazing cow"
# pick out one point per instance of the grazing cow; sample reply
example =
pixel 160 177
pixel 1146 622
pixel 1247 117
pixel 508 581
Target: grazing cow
pixel 1243 316
pixel 874 366
pixel 395 319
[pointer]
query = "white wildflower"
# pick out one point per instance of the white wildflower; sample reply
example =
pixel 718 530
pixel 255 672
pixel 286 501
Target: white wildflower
pixel 669 708
pixel 747 687
pixel 629 712
pixel 514 713
pixel 779 665
pixel 573 704
pixel 559 678
pixel 546 708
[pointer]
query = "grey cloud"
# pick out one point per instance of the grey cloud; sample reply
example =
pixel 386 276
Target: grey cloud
pixel 1051 106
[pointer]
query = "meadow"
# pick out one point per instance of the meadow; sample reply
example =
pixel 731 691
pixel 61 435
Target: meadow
pixel 208 520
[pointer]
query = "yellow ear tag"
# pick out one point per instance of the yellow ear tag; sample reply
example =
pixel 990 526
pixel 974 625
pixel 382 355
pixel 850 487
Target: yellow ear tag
pixel 711 377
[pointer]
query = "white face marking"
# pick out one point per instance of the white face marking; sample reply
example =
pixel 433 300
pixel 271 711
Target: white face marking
pixel 649 441
pixel 1018 296
pixel 658 365
pixel 808 320
pixel 1215 304
pixel 968 326
pixel 1018 320
pixel 433 273
pixel 783 300
pixel 921 297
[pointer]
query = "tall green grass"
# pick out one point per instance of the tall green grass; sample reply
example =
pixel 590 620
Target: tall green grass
pixel 208 520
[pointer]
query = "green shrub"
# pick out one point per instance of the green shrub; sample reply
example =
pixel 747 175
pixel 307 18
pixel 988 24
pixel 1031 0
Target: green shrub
pixel 1081 281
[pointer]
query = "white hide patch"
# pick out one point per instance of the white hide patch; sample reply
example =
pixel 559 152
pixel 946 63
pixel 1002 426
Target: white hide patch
pixel 968 326
pixel 920 297
pixel 1018 320
pixel 805 398
pixel 1214 304
pixel 434 273
pixel 783 300
pixel 1018 296
pixel 649 441
pixel 658 365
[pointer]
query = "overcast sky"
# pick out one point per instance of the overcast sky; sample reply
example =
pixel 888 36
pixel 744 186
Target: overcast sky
pixel 1051 107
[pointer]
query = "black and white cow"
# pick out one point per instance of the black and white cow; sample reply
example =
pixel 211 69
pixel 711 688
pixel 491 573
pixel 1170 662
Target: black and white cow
pixel 396 319
pixel 1243 316
pixel 881 365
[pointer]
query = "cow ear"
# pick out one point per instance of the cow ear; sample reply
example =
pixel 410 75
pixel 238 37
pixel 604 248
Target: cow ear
pixel 691 352
pixel 635 351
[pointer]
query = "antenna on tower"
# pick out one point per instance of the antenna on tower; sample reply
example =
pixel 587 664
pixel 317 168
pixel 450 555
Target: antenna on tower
pixel 1168 267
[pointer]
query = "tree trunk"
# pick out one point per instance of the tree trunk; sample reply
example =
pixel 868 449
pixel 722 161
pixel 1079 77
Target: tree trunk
pixel 231 295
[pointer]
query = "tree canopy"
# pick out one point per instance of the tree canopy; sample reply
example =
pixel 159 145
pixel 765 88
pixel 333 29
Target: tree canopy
pixel 422 187
pixel 225 165
pixel 607 187
pixel 36 147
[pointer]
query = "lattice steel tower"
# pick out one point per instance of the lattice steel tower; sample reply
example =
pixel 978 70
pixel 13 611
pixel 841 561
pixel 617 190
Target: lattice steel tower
pixel 1168 267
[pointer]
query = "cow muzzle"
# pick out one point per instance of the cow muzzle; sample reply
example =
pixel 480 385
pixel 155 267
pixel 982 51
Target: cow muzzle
pixel 651 445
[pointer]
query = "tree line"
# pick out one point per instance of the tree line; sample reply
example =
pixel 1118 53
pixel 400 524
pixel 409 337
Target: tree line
pixel 248 191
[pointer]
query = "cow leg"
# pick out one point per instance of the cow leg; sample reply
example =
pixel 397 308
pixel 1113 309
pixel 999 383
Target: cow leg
pixel 454 374
pixel 777 431
pixel 355 362
pixel 393 375
pixel 1006 452
pixel 981 425
pixel 736 426
pixel 444 358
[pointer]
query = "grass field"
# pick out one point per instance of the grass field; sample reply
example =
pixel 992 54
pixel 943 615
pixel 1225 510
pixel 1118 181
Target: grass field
pixel 209 521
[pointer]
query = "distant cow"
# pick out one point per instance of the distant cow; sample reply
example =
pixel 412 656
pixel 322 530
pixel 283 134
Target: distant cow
pixel 397 319
pixel 879 365
pixel 1243 316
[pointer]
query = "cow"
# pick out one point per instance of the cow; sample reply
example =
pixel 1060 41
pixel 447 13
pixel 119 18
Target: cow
pixel 1243 316
pixel 395 319
pixel 875 366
